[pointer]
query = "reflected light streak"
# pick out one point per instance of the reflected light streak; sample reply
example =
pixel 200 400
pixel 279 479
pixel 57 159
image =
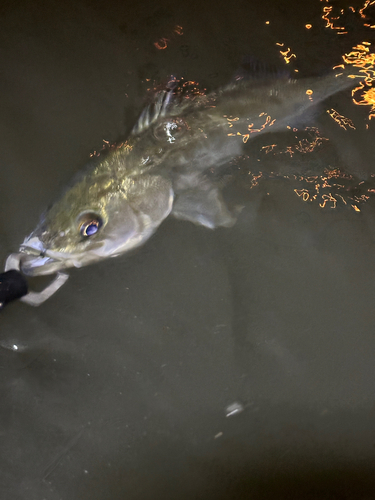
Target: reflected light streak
pixel 286 54
pixel 332 187
pixel 306 145
pixel 269 148
pixel 302 193
pixel 340 119
pixel 328 18
pixel 269 122
pixel 162 43
pixel 331 19
pixel 367 4
pixel 309 93
pixel 361 57
pixel 326 191
pixel 251 130
pixel 329 190
pixel 368 99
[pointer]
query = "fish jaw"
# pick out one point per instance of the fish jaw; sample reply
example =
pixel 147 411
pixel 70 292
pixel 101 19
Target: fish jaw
pixel 37 265
pixel 37 261
pixel 48 262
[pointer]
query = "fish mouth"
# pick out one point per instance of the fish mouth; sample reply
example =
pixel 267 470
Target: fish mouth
pixel 37 260
pixel 37 265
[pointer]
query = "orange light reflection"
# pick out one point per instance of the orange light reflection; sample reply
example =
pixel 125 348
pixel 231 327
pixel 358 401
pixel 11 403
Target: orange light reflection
pixel 340 119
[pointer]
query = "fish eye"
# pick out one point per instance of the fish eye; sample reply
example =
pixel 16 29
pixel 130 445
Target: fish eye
pixel 89 224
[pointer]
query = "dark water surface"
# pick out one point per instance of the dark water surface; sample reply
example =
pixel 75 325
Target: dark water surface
pixel 236 363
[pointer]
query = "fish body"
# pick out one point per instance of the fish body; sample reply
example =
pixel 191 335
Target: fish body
pixel 122 197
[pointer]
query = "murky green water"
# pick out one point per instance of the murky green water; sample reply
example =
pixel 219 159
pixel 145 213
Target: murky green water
pixel 122 385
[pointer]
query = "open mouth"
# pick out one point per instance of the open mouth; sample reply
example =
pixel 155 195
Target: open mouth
pixel 34 260
pixel 36 265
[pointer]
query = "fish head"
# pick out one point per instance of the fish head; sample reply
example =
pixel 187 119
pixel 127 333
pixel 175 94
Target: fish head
pixel 95 219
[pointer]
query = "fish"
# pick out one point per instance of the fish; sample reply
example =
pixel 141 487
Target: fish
pixel 120 198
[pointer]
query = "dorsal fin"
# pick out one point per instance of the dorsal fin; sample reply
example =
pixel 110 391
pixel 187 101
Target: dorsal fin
pixel 253 70
pixel 160 106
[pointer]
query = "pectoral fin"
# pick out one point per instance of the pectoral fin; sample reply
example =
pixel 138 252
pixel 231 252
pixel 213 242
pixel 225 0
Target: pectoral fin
pixel 205 207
